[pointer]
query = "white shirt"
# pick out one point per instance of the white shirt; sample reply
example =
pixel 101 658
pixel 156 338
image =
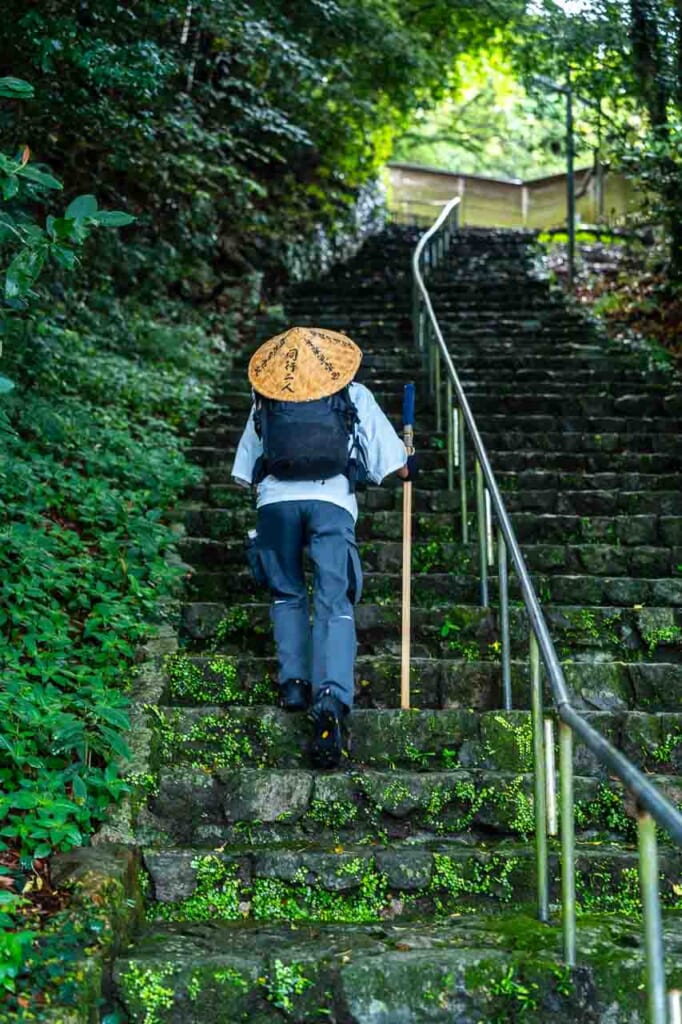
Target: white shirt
pixel 384 453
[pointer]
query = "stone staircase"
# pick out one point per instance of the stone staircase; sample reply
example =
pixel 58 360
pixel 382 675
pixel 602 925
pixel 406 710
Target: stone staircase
pixel 401 888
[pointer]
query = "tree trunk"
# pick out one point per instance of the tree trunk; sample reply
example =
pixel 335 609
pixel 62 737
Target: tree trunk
pixel 678 84
pixel 646 50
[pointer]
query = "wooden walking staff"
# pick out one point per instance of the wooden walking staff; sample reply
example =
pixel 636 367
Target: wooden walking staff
pixel 408 438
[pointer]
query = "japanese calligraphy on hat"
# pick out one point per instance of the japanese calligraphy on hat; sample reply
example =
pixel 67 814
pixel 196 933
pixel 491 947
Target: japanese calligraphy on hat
pixel 304 363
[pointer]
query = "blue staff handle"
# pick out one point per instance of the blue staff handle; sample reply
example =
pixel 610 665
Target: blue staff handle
pixel 408 417
pixel 408 438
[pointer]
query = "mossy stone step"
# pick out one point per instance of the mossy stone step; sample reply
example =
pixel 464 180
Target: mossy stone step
pixel 633 633
pixel 646 397
pixel 543 480
pixel 218 464
pixel 426 740
pixel 476 967
pixel 558 362
pixel 447 683
pixel 355 884
pixel 437 517
pixel 434 587
pixel 221 416
pixel 577 462
pixel 387 524
pixel 664 442
pixel 268 807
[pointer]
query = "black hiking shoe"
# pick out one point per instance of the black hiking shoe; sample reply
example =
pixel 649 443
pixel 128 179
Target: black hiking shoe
pixel 329 715
pixel 294 695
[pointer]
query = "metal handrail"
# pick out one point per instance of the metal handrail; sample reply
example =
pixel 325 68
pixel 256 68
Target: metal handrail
pixel 652 808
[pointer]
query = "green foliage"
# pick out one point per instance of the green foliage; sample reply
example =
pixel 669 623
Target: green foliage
pixel 48 967
pixel 231 129
pixel 285 983
pixel 148 993
pixel 217 895
pixel 26 246
pixel 451 880
pixel 452 632
pixel 512 987
pixel 14 945
pixel 486 124
pixel 607 811
pixel 599 890
pixel 624 68
pixel 661 636
pixel 303 900
pixel 84 473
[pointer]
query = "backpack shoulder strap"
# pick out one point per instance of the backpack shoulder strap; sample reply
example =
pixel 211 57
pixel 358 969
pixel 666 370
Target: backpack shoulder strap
pixel 345 406
pixel 260 418
pixel 258 415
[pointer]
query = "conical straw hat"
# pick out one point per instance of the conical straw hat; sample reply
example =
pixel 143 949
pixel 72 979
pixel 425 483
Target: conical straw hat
pixel 304 363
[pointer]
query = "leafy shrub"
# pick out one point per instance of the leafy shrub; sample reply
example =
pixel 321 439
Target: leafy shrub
pixel 89 458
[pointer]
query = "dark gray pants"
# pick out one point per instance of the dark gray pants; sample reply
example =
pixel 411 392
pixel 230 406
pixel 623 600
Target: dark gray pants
pixel 324 655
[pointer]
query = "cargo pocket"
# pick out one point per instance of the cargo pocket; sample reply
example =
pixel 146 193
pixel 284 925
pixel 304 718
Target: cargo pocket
pixel 255 562
pixel 354 575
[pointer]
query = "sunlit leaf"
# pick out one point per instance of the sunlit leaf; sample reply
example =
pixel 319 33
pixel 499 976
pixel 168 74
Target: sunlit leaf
pixel 32 173
pixel 82 206
pixel 113 218
pixel 16 88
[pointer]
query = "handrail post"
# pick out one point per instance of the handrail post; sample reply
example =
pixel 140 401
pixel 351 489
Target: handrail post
pixel 437 386
pixel 416 314
pixel 550 778
pixel 489 543
pixel 451 415
pixel 540 802
pixel 503 578
pixel 567 816
pixel 653 928
pixel 482 535
pixel 675 1003
pixel 463 498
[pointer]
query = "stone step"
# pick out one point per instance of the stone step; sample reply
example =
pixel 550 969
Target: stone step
pixel 489 306
pixel 590 462
pixel 521 359
pixel 542 480
pixel 663 442
pixel 565 423
pixel 562 545
pixel 468 968
pixel 647 403
pixel 538 488
pixel 435 587
pixel 228 424
pixel 628 399
pixel 464 330
pixel 218 464
pixel 355 884
pixel 386 524
pixel 489 360
pixel 503 379
pixel 436 515
pixel 451 682
pixel 631 633
pixel 539 325
pixel 213 736
pixel 267 807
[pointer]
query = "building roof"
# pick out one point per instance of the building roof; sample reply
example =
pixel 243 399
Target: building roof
pixel 426 169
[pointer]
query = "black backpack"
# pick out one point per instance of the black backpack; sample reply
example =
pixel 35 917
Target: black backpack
pixel 308 440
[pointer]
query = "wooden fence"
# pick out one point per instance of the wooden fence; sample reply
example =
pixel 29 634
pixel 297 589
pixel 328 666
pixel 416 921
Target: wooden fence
pixel 416 194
